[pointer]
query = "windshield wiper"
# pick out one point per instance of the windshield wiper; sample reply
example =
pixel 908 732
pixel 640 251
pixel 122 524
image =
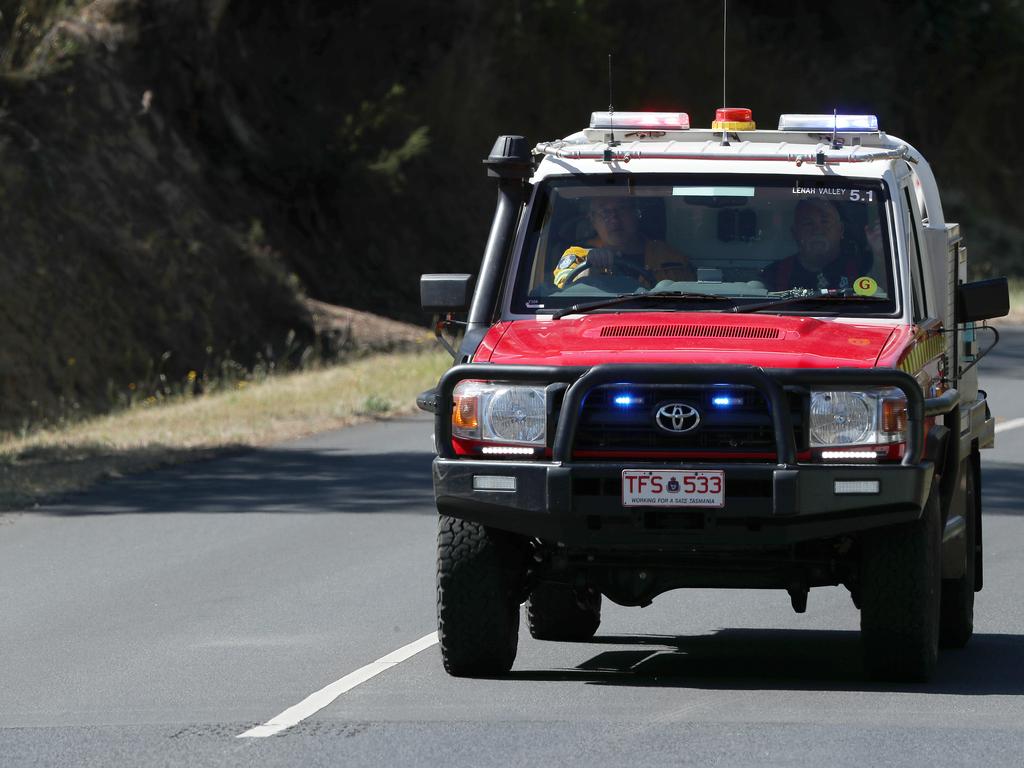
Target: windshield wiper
pixel 798 295
pixel 624 298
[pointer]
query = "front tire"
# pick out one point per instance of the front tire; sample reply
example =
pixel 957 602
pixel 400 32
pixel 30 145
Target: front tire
pixel 900 585
pixel 477 605
pixel 554 612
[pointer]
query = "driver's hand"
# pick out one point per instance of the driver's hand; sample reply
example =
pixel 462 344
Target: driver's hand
pixel 601 259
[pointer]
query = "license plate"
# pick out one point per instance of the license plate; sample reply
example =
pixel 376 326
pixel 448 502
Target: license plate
pixel 689 488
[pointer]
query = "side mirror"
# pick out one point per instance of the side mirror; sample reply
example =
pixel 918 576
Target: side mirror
pixel 442 294
pixel 982 300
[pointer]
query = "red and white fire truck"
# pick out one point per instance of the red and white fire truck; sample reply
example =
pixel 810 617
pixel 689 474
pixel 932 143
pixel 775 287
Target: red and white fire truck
pixel 725 357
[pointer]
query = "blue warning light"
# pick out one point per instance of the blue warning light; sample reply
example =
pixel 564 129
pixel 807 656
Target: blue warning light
pixel 627 400
pixel 726 401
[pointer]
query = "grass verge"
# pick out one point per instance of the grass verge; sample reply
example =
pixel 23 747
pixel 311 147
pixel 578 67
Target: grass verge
pixel 52 462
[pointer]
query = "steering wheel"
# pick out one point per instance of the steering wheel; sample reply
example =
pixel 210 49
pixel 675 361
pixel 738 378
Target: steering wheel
pixel 618 265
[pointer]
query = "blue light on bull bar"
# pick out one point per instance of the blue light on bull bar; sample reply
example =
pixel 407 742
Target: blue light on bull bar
pixel 627 400
pixel 825 123
pixel 726 401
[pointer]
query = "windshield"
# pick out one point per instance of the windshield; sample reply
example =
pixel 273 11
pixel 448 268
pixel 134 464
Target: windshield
pixel 817 246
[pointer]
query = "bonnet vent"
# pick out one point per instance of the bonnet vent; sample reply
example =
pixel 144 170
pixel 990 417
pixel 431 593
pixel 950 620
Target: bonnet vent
pixel 691 331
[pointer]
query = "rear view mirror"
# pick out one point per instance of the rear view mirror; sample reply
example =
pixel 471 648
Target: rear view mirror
pixel 737 224
pixel 441 294
pixel 982 300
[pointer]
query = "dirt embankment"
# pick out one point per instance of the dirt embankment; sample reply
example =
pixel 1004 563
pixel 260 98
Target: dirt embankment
pixel 120 265
pixel 130 255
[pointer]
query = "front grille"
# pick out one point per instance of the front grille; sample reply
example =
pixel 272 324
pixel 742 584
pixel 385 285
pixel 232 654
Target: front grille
pixel 741 428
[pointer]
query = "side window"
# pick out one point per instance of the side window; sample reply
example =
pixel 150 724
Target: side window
pixel 913 246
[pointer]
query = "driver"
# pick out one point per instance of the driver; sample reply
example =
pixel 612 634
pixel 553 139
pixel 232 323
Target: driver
pixel 621 248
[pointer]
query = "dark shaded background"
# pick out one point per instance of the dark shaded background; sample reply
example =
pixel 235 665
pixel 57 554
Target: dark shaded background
pixel 333 150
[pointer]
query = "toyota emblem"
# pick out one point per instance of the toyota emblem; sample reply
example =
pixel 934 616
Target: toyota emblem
pixel 677 417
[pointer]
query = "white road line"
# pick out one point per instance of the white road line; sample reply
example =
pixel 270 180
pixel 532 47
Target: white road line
pixel 317 701
pixel 1008 425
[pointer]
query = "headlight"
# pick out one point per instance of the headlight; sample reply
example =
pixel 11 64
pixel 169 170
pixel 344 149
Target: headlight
pixel 867 417
pixel 497 412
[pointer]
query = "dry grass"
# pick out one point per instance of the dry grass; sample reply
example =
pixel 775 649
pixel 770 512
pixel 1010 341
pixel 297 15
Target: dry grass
pixel 52 462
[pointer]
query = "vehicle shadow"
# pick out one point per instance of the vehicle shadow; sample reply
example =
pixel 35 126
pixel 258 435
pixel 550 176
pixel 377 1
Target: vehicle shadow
pixel 270 481
pixel 783 659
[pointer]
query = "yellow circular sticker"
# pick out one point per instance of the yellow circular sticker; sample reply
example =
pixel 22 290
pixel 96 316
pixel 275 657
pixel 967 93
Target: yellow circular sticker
pixel 865 286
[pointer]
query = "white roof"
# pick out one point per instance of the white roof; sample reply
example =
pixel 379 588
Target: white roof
pixel 870 154
pixel 859 155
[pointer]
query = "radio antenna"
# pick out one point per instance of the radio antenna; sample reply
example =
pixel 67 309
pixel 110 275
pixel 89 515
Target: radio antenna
pixel 725 26
pixel 611 109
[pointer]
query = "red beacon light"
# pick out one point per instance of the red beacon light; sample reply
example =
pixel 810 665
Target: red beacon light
pixel 733 119
pixel 640 121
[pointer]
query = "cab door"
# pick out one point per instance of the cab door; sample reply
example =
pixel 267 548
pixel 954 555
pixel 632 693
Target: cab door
pixel 913 239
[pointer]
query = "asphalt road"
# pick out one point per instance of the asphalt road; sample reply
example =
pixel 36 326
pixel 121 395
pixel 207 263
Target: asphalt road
pixel 153 620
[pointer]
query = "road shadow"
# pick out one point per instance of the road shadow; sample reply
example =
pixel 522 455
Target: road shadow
pixel 42 474
pixel 324 480
pixel 1009 358
pixel 783 659
pixel 1001 488
pixel 270 481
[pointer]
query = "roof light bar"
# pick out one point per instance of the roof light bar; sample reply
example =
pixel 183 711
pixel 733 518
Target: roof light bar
pixel 826 123
pixel 641 121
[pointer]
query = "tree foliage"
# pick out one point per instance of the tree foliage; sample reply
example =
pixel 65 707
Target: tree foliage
pixel 140 141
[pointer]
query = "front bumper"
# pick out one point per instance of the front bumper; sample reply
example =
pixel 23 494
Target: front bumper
pixel 580 505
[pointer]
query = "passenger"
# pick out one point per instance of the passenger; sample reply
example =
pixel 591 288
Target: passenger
pixel 621 248
pixel 824 259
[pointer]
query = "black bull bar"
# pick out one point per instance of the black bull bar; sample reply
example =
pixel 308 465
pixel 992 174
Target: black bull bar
pixel 770 383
